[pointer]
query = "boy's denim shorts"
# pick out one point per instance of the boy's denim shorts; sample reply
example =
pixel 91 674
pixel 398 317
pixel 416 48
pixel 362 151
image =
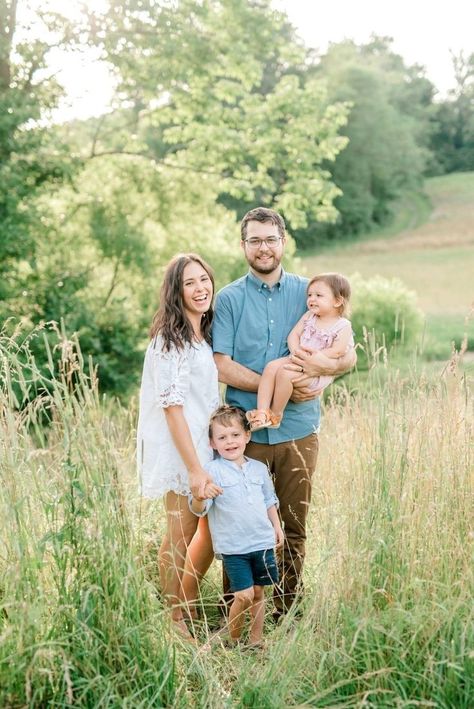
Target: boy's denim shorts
pixel 257 568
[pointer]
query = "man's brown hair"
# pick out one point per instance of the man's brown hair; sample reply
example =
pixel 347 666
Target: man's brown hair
pixel 262 214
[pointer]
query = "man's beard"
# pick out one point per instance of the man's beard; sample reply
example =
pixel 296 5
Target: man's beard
pixel 269 267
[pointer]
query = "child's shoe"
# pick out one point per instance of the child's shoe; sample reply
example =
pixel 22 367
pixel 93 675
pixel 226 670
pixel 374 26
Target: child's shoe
pixel 262 418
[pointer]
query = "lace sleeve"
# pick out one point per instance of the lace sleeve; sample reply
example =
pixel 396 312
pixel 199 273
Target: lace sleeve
pixel 171 376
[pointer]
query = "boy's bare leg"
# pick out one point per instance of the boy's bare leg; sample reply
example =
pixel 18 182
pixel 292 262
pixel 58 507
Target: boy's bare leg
pixel 266 387
pixel 257 612
pixel 242 601
pixel 283 390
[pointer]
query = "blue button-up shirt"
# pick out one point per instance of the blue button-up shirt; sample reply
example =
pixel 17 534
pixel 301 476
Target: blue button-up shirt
pixel 251 324
pixel 238 518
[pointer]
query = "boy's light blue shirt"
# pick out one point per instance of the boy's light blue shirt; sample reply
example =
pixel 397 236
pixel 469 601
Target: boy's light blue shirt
pixel 238 518
pixel 251 324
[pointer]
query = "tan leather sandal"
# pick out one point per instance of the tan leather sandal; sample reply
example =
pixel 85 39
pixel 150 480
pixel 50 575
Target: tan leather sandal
pixel 262 418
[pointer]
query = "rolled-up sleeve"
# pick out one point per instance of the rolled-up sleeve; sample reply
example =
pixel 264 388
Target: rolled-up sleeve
pixel 269 491
pixel 171 376
pixel 223 331
pixel 206 509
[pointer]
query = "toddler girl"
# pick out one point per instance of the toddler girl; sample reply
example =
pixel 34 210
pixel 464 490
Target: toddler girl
pixel 322 327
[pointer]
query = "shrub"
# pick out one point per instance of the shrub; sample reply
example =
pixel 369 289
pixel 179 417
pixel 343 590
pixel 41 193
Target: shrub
pixel 385 312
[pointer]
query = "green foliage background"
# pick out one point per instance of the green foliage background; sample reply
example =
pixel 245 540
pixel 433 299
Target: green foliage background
pixel 385 313
pixel 91 211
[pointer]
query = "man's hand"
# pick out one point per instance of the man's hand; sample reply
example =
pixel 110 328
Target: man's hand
pixel 315 364
pixel 301 383
pixel 198 480
pixel 302 390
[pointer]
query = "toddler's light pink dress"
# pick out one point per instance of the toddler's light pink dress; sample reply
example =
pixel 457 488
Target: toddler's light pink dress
pixel 314 337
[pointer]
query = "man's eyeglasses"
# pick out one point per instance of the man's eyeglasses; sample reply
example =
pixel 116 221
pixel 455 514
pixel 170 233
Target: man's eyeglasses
pixel 255 243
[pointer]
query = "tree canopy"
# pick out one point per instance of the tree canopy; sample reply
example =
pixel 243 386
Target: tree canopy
pixel 207 112
pixel 219 107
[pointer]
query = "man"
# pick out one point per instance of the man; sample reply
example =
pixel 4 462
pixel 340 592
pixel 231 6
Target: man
pixel 253 317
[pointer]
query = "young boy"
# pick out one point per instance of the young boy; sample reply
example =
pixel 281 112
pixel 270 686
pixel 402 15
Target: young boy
pixel 243 520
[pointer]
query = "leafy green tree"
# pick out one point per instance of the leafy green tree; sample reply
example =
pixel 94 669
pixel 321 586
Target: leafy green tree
pixel 387 129
pixel 232 104
pixel 227 119
pixel 66 249
pixel 30 162
pixel 453 138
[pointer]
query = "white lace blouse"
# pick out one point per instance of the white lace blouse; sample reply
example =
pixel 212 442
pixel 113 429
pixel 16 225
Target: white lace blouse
pixel 185 377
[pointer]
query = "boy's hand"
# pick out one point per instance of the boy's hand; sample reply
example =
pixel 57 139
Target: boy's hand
pixel 198 480
pixel 279 537
pixel 212 490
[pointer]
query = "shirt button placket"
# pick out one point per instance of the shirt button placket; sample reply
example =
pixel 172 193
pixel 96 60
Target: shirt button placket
pixel 270 322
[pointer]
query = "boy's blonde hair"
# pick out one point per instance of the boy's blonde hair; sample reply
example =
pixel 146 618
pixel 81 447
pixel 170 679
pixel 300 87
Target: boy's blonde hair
pixel 225 415
pixel 340 287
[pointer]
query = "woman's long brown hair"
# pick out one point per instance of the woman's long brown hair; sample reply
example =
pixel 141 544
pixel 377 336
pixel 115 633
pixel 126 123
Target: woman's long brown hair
pixel 170 320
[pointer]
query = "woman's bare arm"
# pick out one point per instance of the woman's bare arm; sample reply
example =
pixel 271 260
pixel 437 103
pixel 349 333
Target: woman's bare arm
pixel 181 435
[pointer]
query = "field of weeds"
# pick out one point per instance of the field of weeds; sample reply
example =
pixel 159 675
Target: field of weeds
pixel 387 618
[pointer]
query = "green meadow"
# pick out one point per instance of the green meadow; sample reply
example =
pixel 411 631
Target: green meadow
pixel 388 619
pixel 430 247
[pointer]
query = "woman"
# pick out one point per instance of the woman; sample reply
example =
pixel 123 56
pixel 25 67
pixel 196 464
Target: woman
pixel 179 391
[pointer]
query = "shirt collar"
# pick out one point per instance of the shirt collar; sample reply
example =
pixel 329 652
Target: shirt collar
pixel 259 284
pixel 234 466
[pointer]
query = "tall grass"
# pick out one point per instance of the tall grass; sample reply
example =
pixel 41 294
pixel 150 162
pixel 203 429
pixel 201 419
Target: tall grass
pixel 388 618
pixel 80 624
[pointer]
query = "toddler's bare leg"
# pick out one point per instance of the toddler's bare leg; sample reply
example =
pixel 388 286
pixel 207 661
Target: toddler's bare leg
pixel 257 612
pixel 266 386
pixel 283 389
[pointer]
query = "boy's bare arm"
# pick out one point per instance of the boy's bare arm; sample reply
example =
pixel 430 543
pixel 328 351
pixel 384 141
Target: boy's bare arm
pixel 275 520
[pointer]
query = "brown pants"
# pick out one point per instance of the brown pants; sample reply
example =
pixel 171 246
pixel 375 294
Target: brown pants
pixel 291 465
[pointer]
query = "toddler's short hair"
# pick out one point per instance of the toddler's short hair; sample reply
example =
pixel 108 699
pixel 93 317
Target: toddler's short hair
pixel 225 415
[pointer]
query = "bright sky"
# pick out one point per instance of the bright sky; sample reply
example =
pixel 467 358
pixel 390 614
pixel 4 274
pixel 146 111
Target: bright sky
pixel 424 32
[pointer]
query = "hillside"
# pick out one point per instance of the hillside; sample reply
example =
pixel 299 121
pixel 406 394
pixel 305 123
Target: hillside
pixel 435 258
